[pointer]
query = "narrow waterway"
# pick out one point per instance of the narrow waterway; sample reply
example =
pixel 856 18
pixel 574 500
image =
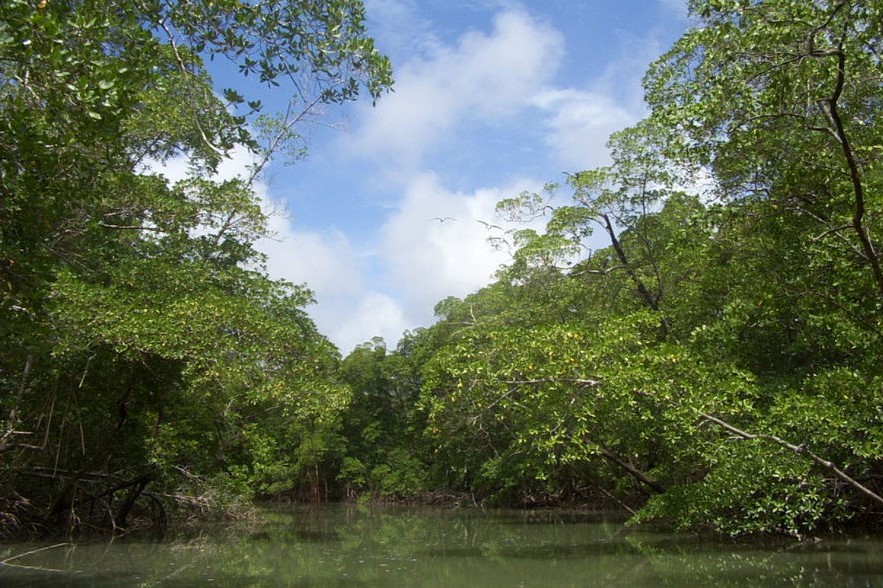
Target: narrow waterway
pixel 346 545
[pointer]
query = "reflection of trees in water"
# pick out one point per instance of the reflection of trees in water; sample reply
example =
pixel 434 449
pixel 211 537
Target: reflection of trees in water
pixel 347 545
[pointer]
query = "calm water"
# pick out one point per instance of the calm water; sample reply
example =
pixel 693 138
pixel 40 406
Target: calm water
pixel 338 545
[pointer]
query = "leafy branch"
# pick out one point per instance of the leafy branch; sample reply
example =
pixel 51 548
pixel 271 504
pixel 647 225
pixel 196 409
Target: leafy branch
pixel 801 450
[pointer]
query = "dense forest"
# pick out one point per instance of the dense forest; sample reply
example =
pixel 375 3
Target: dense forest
pixel 718 366
pixel 147 361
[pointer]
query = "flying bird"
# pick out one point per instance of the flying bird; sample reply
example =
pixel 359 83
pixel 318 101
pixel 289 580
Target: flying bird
pixel 443 220
pixel 488 225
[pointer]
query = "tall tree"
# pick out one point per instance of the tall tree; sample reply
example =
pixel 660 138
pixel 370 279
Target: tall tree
pixel 782 98
pixel 779 102
pixel 140 336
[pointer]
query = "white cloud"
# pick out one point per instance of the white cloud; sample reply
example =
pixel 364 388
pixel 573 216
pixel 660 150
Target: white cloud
pixel 373 314
pixel 325 261
pixel 579 124
pixel 347 311
pixel 424 260
pixel 483 77
pixel 430 259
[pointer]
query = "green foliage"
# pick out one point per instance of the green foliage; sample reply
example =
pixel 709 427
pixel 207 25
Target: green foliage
pixel 781 99
pixel 526 408
pixel 143 343
pixel 382 454
pixel 717 366
pixel 752 489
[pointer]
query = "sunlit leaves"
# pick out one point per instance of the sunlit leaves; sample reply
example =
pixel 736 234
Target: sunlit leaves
pixel 144 304
pixel 736 289
pixel 779 97
pixel 550 398
pixel 751 489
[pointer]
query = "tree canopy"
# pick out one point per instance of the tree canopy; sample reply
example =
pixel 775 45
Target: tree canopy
pixel 142 341
pixel 717 366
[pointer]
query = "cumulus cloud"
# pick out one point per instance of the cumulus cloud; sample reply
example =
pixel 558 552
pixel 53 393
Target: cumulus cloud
pixel 579 123
pixel 347 310
pixel 324 260
pixel 484 76
pixel 373 314
pixel 432 244
pixel 436 244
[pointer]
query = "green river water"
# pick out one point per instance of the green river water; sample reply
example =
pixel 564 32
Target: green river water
pixel 346 545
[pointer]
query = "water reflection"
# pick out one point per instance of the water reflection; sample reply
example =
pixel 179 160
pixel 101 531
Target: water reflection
pixel 337 545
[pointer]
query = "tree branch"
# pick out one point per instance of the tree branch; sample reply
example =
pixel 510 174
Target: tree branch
pixel 183 67
pixel 799 450
pixel 582 381
pixel 631 470
pixel 651 300
pixel 855 174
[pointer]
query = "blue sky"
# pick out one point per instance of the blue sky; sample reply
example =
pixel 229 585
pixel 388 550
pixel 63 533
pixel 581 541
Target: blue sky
pixel 492 97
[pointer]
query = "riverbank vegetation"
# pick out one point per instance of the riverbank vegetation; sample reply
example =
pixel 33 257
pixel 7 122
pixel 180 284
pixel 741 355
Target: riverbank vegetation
pixel 717 365
pixel 147 359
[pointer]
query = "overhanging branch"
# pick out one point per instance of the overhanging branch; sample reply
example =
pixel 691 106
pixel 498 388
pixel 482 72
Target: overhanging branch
pixel 799 450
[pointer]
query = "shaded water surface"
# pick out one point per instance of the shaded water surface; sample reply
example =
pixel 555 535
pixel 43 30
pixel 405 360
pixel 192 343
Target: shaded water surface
pixel 345 545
